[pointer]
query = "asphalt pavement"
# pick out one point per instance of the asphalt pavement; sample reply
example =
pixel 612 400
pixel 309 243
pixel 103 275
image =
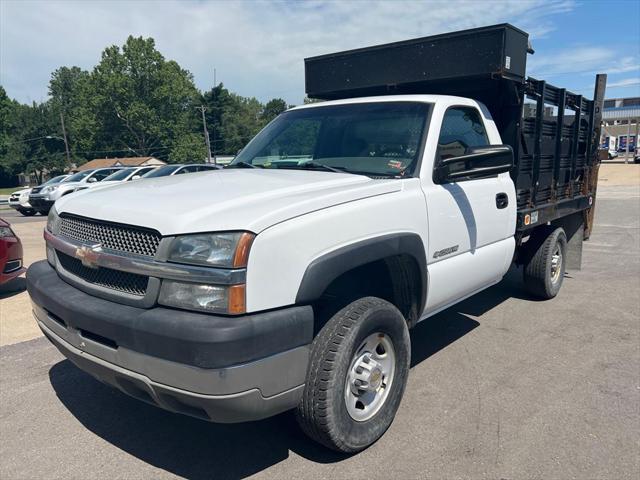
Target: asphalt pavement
pixel 14 217
pixel 501 386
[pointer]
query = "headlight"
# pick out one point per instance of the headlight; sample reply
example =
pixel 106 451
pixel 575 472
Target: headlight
pixel 6 232
pixel 53 221
pixel 49 189
pixel 207 298
pixel 226 250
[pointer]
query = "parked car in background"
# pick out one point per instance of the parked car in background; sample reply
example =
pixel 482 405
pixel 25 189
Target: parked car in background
pixel 51 193
pixel 19 200
pixel 177 169
pixel 10 253
pixel 37 198
pixel 124 175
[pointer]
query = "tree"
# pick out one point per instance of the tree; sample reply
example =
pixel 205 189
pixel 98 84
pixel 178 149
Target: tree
pixel 189 148
pixel 67 89
pixel 273 108
pixel 141 102
pixel 217 101
pixel 240 122
pixel 24 146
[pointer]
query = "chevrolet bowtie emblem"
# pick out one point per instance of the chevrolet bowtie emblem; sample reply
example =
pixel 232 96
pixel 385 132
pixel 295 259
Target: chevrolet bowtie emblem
pixel 88 254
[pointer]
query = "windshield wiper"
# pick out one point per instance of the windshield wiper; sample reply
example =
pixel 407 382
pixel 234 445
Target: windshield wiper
pixel 316 166
pixel 242 165
pixel 375 174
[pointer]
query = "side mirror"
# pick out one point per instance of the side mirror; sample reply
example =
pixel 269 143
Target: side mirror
pixel 477 162
pixel 135 177
pixel 92 180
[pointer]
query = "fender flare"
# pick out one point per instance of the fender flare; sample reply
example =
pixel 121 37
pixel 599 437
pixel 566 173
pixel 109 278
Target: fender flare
pixel 326 268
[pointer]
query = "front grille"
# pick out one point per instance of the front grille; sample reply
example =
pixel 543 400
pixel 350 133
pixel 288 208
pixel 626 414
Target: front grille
pixel 35 190
pixel 126 282
pixel 122 238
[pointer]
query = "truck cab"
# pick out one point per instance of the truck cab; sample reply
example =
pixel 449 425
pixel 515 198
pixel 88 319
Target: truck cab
pixel 291 278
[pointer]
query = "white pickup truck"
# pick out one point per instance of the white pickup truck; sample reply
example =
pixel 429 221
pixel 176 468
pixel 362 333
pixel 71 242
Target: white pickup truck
pixel 291 279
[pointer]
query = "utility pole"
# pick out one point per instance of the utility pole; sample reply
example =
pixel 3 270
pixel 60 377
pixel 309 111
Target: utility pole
pixel 626 153
pixel 202 109
pixel 64 137
pixel 213 127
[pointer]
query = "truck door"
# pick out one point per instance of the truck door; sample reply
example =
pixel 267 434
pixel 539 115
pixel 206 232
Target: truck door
pixel 471 222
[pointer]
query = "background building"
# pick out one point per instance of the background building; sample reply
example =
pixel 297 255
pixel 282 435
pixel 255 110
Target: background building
pixel 119 162
pixel 620 117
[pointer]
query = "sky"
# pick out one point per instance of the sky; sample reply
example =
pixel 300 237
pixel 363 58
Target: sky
pixel 257 48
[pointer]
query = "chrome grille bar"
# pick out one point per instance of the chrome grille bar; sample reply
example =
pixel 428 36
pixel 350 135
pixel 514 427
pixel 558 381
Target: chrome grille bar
pixel 120 238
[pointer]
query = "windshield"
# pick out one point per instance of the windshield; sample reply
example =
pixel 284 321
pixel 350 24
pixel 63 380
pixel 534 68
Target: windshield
pixel 76 177
pixel 57 179
pixel 162 171
pixel 377 139
pixel 119 175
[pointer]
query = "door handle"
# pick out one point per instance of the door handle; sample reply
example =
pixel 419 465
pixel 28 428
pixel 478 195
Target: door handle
pixel 502 200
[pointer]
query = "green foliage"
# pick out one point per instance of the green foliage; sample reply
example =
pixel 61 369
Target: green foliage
pixel 144 103
pixel 273 108
pixel 23 146
pixel 188 148
pixel 133 103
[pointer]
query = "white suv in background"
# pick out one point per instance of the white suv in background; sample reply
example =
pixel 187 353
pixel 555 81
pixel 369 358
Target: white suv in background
pixel 19 200
pixel 124 175
pixel 48 195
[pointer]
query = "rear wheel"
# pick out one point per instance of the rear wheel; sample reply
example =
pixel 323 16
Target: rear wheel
pixel 357 376
pixel 544 271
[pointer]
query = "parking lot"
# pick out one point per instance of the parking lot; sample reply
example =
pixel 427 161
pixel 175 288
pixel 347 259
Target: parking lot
pixel 502 386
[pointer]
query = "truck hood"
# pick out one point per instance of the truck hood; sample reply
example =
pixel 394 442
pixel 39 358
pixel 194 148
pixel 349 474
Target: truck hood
pixel 232 199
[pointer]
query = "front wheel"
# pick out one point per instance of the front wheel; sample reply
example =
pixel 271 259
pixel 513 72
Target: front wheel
pixel 27 212
pixel 357 375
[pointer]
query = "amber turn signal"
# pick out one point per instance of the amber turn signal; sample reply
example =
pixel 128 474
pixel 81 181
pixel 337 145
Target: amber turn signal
pixel 241 257
pixel 237 296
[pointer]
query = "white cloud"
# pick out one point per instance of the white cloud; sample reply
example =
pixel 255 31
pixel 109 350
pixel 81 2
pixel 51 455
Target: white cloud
pixel 256 47
pixel 626 82
pixel 581 59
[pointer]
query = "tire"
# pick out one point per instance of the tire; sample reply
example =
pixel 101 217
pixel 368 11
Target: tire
pixel 544 271
pixel 323 413
pixel 27 212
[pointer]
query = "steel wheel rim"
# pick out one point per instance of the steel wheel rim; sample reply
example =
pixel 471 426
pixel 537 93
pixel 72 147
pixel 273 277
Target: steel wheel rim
pixel 370 377
pixel 556 264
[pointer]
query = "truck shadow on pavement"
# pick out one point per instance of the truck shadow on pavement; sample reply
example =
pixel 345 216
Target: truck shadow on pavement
pixel 13 287
pixel 196 449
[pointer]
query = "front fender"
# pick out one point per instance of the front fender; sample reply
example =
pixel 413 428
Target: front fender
pixel 325 269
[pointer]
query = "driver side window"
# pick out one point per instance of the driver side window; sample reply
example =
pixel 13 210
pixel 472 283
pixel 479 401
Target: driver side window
pixel 462 128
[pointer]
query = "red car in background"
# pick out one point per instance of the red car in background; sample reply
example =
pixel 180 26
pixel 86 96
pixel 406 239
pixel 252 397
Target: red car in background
pixel 10 254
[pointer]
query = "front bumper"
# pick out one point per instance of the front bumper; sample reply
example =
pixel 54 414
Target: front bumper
pixel 40 202
pixel 19 205
pixel 222 369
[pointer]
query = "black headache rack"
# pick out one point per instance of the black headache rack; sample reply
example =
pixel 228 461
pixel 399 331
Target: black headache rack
pixel 554 133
